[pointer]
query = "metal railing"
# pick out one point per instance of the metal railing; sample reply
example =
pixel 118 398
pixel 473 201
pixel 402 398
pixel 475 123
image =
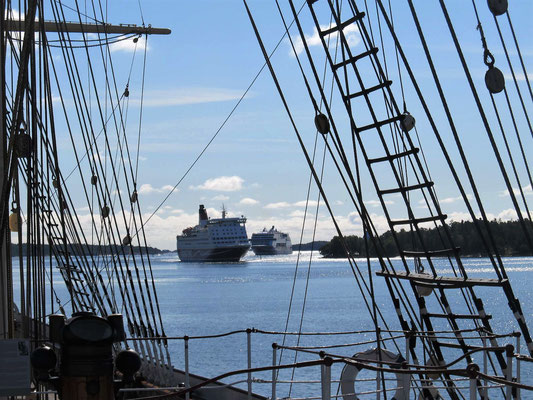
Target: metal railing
pixel 480 381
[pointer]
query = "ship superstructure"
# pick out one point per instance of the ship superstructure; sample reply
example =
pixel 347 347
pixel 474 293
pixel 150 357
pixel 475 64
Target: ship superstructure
pixel 216 239
pixel 271 242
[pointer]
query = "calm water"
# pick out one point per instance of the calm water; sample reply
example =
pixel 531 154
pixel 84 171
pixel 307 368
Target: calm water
pixel 205 299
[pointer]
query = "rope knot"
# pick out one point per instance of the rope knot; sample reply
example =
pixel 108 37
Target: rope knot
pixel 488 58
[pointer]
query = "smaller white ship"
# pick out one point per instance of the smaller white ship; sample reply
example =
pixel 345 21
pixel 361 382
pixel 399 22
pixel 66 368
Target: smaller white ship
pixel 271 242
pixel 214 239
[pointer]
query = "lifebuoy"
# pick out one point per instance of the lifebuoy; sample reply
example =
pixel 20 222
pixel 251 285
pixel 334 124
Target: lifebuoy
pixel 349 373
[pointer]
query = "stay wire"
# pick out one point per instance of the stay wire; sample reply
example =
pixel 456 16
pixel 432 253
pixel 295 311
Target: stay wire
pixel 451 165
pixel 110 233
pixel 317 181
pixel 510 155
pixel 219 129
pixel 526 76
pixel 514 304
pixel 289 310
pixel 120 127
pixel 363 213
pixel 307 199
pixel 515 80
pixel 486 124
pixel 140 115
pixel 389 27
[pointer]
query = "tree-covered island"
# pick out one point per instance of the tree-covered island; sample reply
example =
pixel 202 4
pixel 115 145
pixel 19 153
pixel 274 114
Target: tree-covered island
pixel 508 236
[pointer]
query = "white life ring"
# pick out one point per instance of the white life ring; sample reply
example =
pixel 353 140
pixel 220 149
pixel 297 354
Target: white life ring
pixel 349 373
pixel 433 391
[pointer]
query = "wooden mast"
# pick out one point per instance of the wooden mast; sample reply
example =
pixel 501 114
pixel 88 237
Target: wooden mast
pixel 5 265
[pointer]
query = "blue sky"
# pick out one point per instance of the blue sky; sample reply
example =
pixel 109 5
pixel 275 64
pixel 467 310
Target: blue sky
pixel 255 167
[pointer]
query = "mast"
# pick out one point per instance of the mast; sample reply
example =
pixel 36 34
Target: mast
pixel 5 268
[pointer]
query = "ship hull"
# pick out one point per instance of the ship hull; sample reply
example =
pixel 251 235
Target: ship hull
pixel 219 254
pixel 270 250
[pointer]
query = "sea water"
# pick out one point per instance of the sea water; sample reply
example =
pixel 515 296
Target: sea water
pixel 202 299
pixel 299 293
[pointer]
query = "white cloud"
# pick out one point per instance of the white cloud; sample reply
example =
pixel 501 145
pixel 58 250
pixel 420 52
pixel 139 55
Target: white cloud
pixel 281 204
pixel 220 197
pixel 449 200
pixel 519 76
pixel 351 32
pixel 458 216
pixel 129 45
pixel 302 203
pixel 339 202
pixel 284 204
pixel 377 203
pixel 147 188
pixel 247 201
pixel 222 184
pixel 526 189
pixel 297 213
pixel 184 96
pixel 13 14
pixel 508 215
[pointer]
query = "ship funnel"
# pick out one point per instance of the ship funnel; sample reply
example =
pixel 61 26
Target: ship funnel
pixel 202 214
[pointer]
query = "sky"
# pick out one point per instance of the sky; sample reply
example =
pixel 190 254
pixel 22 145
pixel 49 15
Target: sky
pixel 255 167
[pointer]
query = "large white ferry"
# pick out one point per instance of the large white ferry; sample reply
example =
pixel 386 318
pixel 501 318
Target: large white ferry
pixel 271 242
pixel 214 239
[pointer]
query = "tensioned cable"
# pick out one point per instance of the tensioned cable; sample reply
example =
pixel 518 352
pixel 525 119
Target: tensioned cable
pixel 216 133
pixel 467 301
pixel 486 124
pixel 127 292
pixel 125 222
pixel 526 76
pixel 429 115
pixel 405 147
pixel 140 246
pixel 305 214
pixel 140 115
pixel 515 81
pixel 496 111
pixel 141 11
pixel 500 271
pixel 77 11
pixel 315 176
pixel 341 153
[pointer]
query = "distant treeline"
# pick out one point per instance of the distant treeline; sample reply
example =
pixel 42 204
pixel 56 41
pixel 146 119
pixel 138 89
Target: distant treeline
pixel 310 246
pixel 509 237
pixel 85 249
